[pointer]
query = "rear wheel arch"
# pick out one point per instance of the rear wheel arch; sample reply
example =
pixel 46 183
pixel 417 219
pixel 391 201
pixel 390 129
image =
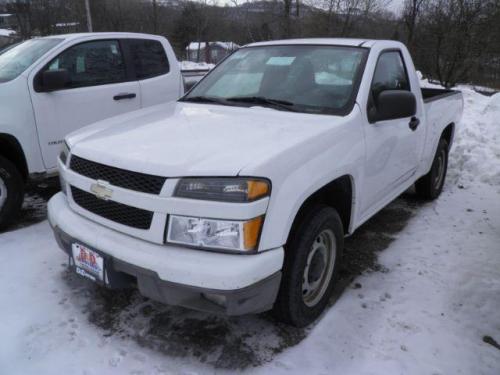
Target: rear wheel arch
pixel 339 194
pixel 430 185
pixel 11 149
pixel 448 134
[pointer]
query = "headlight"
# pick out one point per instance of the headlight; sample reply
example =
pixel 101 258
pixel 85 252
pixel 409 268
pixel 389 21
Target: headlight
pixel 64 153
pixel 240 236
pixel 224 189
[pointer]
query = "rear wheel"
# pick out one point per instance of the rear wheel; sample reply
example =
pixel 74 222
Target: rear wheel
pixel 431 185
pixel 11 192
pixel 311 260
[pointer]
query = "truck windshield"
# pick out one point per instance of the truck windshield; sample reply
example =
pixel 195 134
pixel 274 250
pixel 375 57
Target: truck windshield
pixel 299 78
pixel 16 59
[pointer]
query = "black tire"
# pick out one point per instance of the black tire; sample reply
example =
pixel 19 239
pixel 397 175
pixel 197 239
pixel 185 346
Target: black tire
pixel 290 306
pixel 12 186
pixel 430 186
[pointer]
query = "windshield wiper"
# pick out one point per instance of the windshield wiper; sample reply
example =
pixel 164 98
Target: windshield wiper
pixel 260 100
pixel 204 99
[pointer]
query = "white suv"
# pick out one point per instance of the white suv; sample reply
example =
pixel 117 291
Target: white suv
pixel 52 86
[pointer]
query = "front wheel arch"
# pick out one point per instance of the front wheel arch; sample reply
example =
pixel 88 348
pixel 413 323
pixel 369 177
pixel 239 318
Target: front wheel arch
pixel 291 305
pixel 11 149
pixel 11 192
pixel 338 194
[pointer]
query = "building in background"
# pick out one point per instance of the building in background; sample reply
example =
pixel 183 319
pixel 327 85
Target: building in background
pixel 8 21
pixel 211 52
pixel 67 27
pixel 8 25
pixel 7 37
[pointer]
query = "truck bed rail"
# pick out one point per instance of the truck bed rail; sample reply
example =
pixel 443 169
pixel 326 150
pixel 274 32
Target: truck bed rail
pixel 430 94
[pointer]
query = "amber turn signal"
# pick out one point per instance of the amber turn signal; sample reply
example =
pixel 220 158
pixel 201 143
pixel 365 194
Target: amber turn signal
pixel 257 189
pixel 251 232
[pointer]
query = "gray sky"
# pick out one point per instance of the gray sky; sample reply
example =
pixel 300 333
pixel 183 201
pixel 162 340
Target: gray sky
pixel 396 6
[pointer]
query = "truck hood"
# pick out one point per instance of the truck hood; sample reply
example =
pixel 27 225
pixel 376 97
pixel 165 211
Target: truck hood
pixel 188 139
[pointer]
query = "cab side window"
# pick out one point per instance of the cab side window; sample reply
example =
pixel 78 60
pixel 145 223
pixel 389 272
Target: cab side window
pixel 149 58
pixel 92 64
pixel 390 74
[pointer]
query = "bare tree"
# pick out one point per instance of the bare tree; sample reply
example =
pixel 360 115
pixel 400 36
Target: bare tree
pixel 456 34
pixel 450 40
pixel 287 8
pixel 411 12
pixel 155 16
pixel 22 10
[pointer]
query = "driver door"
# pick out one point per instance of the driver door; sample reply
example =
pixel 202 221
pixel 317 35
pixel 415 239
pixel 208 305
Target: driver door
pixel 391 145
pixel 99 87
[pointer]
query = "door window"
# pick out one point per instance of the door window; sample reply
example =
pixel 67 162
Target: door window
pixel 17 58
pixel 92 63
pixel 149 58
pixel 390 74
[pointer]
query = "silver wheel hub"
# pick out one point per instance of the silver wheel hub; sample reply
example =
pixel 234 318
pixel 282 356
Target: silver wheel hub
pixel 319 268
pixel 3 193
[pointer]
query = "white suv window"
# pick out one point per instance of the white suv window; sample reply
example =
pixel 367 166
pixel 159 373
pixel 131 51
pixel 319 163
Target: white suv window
pixel 148 57
pixel 92 63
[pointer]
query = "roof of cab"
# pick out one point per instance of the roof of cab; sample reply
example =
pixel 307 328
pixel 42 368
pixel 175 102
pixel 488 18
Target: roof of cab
pixel 352 42
pixel 101 35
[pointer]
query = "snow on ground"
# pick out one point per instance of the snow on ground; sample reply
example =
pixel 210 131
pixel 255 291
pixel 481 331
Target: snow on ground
pixel 419 294
pixel 190 65
pixel 477 149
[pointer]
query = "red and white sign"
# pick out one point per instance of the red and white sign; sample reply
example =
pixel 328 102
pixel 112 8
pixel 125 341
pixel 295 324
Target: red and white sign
pixel 89 261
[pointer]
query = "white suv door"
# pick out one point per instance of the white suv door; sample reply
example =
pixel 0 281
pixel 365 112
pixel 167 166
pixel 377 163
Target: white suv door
pixel 100 86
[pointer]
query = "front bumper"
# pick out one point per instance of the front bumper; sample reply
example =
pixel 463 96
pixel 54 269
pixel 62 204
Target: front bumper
pixel 231 284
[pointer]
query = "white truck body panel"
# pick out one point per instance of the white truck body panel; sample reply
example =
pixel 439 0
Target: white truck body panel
pixel 176 264
pixel 60 112
pixel 173 142
pixel 299 153
pixel 17 120
pixel 446 110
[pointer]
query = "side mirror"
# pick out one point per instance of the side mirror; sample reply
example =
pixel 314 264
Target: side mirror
pixel 393 104
pixel 54 80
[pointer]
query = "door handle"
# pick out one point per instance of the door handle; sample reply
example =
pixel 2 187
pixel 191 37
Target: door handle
pixel 414 123
pixel 124 96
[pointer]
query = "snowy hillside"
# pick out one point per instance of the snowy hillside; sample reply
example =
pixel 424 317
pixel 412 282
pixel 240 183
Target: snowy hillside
pixel 419 295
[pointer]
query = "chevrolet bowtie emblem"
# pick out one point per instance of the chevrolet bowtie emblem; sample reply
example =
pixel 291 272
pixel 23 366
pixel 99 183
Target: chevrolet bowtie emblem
pixel 101 190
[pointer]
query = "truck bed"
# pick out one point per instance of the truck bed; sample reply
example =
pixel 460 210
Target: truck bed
pixel 429 94
pixel 441 107
pixel 191 77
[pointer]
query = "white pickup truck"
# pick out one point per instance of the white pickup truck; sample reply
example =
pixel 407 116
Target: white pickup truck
pixel 236 199
pixel 52 86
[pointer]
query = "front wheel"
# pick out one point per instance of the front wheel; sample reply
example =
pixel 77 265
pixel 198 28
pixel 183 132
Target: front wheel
pixel 11 192
pixel 311 262
pixel 430 186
